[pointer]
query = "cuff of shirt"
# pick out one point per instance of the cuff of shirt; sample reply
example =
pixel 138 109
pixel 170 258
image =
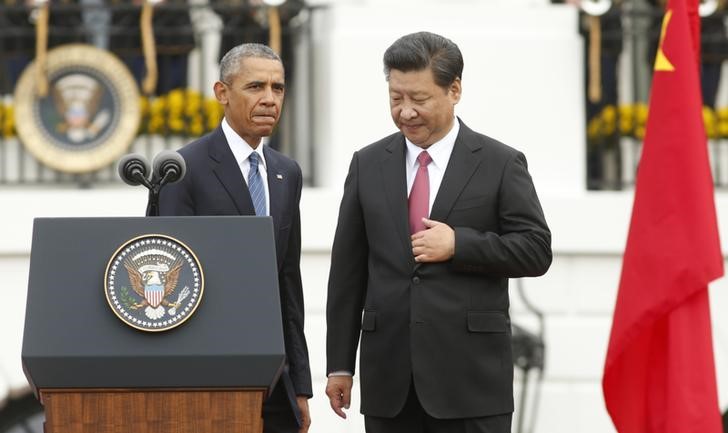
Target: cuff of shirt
pixel 340 373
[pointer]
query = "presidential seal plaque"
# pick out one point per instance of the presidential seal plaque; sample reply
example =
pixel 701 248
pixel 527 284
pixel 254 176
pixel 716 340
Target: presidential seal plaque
pixel 153 283
pixel 89 117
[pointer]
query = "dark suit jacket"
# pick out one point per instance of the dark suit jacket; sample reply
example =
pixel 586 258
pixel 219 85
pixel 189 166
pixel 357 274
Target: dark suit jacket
pixel 444 325
pixel 214 185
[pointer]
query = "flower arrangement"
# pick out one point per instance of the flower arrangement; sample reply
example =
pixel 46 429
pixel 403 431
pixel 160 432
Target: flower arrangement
pixel 603 124
pixel 181 112
pixel 627 120
pixel 632 120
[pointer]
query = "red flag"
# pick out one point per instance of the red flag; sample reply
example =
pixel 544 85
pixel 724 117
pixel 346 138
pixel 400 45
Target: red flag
pixel 659 375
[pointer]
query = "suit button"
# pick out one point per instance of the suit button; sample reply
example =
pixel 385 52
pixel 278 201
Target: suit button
pixel 416 280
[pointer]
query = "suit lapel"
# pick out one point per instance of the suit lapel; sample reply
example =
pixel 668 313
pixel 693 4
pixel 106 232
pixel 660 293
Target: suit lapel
pixel 228 173
pixel 460 169
pixel 394 177
pixel 275 187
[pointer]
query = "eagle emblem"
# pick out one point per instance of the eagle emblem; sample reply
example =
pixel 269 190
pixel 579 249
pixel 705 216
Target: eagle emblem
pixel 153 282
pixel 77 97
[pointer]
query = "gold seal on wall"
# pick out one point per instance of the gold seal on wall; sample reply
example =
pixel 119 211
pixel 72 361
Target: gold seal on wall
pixel 89 117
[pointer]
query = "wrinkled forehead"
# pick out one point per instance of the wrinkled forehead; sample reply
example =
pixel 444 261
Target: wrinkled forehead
pixel 259 68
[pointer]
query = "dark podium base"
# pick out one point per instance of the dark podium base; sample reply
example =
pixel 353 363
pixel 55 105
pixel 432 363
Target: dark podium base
pixel 152 411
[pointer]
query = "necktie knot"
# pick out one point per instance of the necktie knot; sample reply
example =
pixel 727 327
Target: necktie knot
pixel 424 158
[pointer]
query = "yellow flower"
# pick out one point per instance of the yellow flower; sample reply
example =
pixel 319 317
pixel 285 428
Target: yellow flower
pixel 594 128
pixel 609 117
pixel 176 125
pixel 144 105
pixel 156 125
pixel 710 122
pixel 626 110
pixel 626 119
pixel 158 106
pixel 8 125
pixel 196 129
pixel 723 128
pixel 723 114
pixel 609 113
pixel 213 113
pixel 641 112
pixel 175 101
pixel 193 104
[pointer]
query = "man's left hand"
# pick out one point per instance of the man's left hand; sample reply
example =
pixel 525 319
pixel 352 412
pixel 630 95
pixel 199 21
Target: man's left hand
pixel 305 413
pixel 434 244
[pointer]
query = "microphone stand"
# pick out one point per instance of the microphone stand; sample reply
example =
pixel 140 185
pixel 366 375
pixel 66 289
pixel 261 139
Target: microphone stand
pixel 153 200
pixel 154 188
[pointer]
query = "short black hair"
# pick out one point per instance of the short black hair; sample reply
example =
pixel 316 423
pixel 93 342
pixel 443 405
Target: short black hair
pixel 231 61
pixel 418 51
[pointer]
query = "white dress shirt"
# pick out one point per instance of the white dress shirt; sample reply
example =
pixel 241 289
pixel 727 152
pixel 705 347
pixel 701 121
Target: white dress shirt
pixel 242 150
pixel 440 152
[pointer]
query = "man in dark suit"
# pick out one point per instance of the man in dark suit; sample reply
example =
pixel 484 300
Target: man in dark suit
pixel 433 221
pixel 230 172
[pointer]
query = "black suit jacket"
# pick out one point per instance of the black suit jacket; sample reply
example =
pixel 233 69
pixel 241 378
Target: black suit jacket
pixel 214 185
pixel 444 325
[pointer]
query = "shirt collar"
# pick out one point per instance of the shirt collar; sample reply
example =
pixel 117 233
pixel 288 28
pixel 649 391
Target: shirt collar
pixel 240 148
pixel 439 151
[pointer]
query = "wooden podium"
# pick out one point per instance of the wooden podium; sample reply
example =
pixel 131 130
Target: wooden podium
pixel 93 373
pixel 152 411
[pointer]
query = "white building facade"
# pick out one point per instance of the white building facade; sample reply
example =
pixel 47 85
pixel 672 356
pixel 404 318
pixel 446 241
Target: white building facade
pixel 523 85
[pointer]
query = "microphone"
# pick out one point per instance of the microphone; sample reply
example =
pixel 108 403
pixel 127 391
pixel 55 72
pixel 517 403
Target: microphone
pixel 133 169
pixel 169 166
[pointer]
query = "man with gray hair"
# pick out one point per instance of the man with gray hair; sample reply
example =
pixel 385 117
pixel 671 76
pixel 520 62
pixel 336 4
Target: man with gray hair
pixel 434 221
pixel 231 172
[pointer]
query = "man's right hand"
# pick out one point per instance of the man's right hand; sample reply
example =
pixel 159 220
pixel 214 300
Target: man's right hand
pixel 338 389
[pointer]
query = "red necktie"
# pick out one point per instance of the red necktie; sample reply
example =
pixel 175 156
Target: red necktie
pixel 419 199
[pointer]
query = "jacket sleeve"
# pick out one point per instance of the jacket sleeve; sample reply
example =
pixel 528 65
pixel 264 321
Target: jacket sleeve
pixel 522 246
pixel 347 279
pixel 292 306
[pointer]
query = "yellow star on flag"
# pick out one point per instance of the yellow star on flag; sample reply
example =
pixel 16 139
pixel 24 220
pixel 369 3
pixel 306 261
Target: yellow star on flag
pixel 662 63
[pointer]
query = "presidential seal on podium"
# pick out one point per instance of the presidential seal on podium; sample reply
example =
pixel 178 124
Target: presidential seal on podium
pixel 89 116
pixel 154 283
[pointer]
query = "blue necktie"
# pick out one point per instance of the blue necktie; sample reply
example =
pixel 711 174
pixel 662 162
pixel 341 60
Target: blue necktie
pixel 255 185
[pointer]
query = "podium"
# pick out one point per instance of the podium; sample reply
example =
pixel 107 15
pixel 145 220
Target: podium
pixel 95 373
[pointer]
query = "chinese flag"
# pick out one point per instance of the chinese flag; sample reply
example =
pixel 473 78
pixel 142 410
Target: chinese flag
pixel 659 375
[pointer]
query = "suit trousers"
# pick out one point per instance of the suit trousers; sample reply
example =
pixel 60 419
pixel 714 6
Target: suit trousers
pixel 278 415
pixel 414 419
